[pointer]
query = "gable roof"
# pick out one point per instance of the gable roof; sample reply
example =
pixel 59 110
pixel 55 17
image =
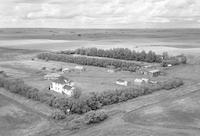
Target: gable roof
pixel 154 71
pixel 61 80
pixel 67 87
pixel 54 75
pixel 120 80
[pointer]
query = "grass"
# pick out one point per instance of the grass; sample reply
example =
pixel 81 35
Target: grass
pixel 94 79
pixel 14 118
pixel 180 113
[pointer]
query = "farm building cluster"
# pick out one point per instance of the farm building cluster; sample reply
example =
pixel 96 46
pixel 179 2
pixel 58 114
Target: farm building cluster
pixel 61 84
pixel 146 74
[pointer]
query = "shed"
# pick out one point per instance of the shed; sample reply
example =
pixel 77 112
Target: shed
pixel 81 68
pixel 122 82
pixel 139 81
pixel 150 72
pixel 67 70
pixel 154 73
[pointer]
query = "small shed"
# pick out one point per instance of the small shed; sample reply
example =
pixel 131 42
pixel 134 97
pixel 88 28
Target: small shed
pixel 110 70
pixel 139 81
pixel 122 82
pixel 150 72
pixel 80 68
pixel 154 73
pixel 67 70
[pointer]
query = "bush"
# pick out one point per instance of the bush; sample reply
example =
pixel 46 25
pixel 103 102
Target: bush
pixel 95 117
pixel 58 115
pixel 77 93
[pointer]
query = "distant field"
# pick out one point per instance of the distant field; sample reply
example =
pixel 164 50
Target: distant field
pixel 175 41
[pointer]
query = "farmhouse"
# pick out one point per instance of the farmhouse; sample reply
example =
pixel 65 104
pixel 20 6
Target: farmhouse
pixel 62 85
pixel 122 82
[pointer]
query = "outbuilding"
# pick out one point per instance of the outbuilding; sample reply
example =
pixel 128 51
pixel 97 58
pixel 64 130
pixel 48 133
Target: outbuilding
pixel 149 72
pixel 154 73
pixel 80 68
pixel 139 81
pixel 122 82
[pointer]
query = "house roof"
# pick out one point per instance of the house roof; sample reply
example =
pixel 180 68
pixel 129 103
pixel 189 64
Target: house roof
pixel 55 75
pixel 120 80
pixel 65 69
pixel 154 70
pixel 61 80
pixel 67 87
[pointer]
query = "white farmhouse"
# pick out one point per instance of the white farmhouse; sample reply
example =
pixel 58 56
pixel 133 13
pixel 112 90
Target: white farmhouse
pixel 122 82
pixel 62 85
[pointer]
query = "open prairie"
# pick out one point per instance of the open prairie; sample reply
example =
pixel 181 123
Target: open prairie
pixel 165 113
pixel 175 41
pixel 16 119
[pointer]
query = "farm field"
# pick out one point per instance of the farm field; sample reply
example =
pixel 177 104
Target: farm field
pixel 17 119
pixel 164 113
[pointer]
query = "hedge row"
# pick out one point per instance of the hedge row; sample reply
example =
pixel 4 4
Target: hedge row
pixel 123 65
pixel 87 103
pixel 117 53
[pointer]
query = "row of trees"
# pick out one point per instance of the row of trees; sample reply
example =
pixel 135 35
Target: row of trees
pixel 93 101
pixel 118 53
pixel 123 65
pixel 175 60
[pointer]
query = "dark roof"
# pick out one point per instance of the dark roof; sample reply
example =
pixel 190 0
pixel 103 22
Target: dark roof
pixel 120 80
pixel 67 87
pixel 61 80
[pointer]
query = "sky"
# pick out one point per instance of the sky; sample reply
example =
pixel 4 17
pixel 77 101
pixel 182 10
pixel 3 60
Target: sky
pixel 100 13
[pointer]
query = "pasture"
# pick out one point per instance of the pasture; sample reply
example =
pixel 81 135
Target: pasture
pixel 93 79
pixel 17 119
